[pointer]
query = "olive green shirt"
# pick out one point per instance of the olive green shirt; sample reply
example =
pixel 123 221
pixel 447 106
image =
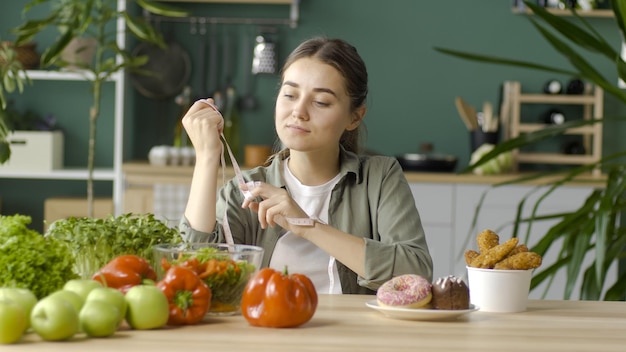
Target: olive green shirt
pixel 371 200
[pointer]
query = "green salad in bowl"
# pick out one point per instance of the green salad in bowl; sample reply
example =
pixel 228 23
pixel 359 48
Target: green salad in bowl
pixel 225 268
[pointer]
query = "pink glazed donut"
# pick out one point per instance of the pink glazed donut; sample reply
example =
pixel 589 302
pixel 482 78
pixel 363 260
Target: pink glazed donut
pixel 405 291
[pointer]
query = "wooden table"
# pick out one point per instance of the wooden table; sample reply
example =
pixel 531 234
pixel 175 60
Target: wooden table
pixel 344 323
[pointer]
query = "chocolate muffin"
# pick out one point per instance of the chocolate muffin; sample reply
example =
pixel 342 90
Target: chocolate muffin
pixel 450 293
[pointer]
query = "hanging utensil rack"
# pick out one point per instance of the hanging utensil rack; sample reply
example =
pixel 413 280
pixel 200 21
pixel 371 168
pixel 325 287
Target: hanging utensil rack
pixel 292 21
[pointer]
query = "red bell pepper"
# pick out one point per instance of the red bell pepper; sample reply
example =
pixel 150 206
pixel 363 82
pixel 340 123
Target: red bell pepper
pixel 124 272
pixel 278 300
pixel 188 296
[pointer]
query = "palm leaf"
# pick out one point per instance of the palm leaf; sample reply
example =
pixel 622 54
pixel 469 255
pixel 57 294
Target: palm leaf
pixel 585 69
pixel 503 61
pixel 52 53
pixel 590 41
pixel 617 292
pixel 619 8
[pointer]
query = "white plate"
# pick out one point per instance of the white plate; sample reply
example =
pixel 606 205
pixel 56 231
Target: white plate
pixel 419 314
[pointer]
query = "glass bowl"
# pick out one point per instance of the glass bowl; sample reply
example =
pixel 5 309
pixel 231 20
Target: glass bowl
pixel 225 268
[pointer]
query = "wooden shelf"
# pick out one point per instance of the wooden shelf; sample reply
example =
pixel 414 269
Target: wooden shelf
pixel 554 158
pixel 268 2
pixel 532 127
pixel 49 75
pixel 558 12
pixel 292 21
pixel 592 103
pixel 557 99
pixel 61 174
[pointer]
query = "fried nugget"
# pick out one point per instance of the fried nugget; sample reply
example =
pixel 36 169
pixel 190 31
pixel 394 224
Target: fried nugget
pixel 488 259
pixel 487 240
pixel 518 249
pixel 520 261
pixel 470 254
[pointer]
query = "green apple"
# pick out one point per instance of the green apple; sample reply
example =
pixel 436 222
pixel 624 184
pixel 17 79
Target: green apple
pixel 70 296
pixel 81 286
pixel 98 318
pixel 111 296
pixel 12 321
pixel 22 296
pixel 148 307
pixel 54 319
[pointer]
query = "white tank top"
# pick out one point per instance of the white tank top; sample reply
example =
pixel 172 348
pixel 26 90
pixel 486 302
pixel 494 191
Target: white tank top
pixel 300 255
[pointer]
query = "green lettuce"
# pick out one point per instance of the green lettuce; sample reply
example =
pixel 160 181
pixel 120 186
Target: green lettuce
pixel 29 260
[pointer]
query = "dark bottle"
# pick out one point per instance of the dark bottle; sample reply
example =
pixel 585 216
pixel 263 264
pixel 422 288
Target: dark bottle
pixel 554 117
pixel 552 87
pixel 573 147
pixel 575 86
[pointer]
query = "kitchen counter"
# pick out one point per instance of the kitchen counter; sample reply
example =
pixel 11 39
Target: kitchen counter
pixel 447 203
pixel 344 323
pixel 144 173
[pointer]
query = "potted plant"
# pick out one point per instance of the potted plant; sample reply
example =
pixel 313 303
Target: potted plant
pixel 93 19
pixel 595 227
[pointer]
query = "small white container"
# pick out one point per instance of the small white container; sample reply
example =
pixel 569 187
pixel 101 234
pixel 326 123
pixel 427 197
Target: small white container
pixel 34 151
pixel 174 156
pixel 159 155
pixel 187 156
pixel 500 291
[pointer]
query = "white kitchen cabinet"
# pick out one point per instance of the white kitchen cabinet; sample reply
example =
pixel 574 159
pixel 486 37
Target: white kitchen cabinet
pixel 435 205
pixel 114 173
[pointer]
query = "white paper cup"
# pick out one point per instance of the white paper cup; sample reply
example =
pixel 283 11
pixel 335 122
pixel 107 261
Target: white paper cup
pixel 501 291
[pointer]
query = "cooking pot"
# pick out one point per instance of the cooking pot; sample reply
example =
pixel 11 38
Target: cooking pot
pixel 427 162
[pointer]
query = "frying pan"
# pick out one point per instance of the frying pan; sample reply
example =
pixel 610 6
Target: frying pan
pixel 427 162
pixel 165 74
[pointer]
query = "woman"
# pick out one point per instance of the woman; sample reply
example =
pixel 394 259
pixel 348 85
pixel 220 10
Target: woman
pixel 365 229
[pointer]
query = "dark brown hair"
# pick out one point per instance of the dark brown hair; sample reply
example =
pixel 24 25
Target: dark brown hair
pixel 344 58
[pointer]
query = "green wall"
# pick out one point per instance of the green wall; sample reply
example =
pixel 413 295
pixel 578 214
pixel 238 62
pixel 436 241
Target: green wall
pixel 412 87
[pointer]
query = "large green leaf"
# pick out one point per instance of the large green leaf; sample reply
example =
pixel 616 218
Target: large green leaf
pixel 51 54
pixel 5 148
pixel 590 41
pixel 143 30
pixel 162 9
pixel 617 292
pixel 503 61
pixel 5 151
pixel 619 9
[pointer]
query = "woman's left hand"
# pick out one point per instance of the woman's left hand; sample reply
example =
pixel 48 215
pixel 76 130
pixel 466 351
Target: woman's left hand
pixel 275 207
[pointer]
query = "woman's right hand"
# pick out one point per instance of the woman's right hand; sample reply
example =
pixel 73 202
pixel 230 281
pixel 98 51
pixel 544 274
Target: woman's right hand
pixel 204 126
